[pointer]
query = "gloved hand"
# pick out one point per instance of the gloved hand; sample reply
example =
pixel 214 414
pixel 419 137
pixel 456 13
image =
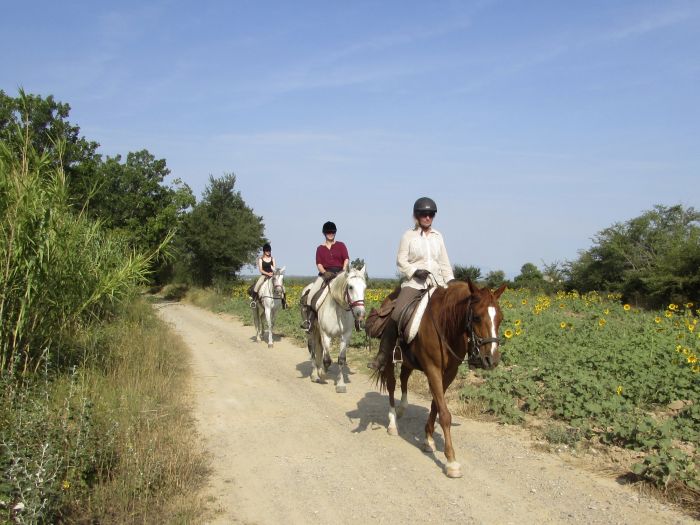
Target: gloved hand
pixel 421 275
pixel 327 276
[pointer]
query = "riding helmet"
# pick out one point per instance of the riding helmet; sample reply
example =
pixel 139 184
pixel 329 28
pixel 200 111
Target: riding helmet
pixel 329 227
pixel 267 247
pixel 424 204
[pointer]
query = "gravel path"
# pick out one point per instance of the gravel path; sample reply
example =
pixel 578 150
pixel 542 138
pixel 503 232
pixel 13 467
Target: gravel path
pixel 285 450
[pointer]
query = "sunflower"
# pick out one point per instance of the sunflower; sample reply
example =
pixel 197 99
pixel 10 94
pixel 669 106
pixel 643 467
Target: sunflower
pixel 601 322
pixel 562 325
pixel 657 319
pixel 508 333
pixel 626 307
pixel 517 322
pixel 619 390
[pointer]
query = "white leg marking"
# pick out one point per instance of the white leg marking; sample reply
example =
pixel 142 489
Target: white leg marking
pixel 391 429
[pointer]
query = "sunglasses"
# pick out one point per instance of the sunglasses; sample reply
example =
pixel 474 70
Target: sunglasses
pixel 430 214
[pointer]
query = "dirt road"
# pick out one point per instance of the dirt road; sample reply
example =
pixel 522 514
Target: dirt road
pixel 285 450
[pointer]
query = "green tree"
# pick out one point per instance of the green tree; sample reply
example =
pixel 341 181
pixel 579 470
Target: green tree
pixel 133 199
pixel 652 259
pixel 495 278
pixel 221 234
pixel 529 277
pixel 467 272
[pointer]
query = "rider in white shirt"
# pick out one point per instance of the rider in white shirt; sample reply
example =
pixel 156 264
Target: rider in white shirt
pixel 423 260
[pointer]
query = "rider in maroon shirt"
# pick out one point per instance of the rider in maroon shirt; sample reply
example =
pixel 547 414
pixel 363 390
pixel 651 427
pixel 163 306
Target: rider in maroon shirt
pixel 331 259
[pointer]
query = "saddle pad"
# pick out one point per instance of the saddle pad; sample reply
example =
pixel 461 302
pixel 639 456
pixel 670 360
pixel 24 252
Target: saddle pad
pixel 317 300
pixel 414 322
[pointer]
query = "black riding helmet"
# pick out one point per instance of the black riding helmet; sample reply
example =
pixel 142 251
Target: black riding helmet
pixel 267 247
pixel 329 227
pixel 424 204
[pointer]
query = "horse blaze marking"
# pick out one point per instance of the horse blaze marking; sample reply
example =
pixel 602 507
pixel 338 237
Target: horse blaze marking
pixel 492 315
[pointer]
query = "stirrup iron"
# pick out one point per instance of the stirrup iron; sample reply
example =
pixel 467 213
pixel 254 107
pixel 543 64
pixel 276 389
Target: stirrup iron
pixel 396 354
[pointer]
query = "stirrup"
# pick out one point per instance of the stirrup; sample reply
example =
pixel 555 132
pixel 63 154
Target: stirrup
pixel 396 354
pixel 253 303
pixel 306 325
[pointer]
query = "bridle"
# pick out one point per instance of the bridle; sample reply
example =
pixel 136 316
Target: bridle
pixel 476 341
pixel 353 304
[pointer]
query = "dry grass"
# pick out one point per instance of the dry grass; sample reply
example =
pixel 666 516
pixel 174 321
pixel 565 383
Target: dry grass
pixel 143 406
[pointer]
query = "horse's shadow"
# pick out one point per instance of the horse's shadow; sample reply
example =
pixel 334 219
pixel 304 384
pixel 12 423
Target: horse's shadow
pixel 276 338
pixel 372 413
pixel 305 368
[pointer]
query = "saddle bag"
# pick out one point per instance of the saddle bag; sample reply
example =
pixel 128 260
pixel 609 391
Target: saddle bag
pixel 377 319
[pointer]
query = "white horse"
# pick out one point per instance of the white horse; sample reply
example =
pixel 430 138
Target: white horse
pixel 269 301
pixel 340 312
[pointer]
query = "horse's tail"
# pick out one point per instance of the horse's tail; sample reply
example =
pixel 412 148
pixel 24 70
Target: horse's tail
pixel 380 377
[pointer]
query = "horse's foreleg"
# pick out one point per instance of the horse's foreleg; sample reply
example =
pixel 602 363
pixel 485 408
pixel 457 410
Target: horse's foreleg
pixel 405 374
pixel 435 377
pixel 388 372
pixel 268 318
pixel 257 321
pixel 429 443
pixel 340 383
pixel 316 352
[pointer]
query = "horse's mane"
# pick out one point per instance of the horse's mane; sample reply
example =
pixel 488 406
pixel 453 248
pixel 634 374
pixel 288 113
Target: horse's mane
pixel 337 286
pixel 449 307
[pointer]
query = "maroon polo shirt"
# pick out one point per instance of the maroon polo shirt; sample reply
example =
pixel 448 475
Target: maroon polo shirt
pixel 333 257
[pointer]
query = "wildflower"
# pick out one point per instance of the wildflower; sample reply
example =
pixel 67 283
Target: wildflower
pixel 695 369
pixel 626 307
pixel 688 305
pixel 518 331
pixel 679 348
pixel 508 333
pixel 523 302
pixel 692 359
pixel 606 311
pixel 669 313
pixel 562 325
pixel 672 306
pixel 561 305
pixel 657 319
pixel 65 484
pixel 691 328
pixel 517 322
pixel 619 390
pixel 601 322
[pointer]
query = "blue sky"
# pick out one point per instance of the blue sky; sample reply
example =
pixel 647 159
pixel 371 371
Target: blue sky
pixel 533 125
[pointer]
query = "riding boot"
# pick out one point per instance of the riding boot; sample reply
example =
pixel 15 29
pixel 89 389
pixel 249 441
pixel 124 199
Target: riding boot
pixel 386 346
pixel 251 291
pixel 309 316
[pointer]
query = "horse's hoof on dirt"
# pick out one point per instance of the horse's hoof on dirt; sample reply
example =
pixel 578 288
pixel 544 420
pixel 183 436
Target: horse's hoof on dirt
pixel 427 447
pixel 453 471
pixel 341 389
pixel 392 431
pixel 270 345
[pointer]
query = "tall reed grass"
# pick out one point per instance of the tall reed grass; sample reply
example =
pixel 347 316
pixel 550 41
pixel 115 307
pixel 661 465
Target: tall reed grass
pixel 59 271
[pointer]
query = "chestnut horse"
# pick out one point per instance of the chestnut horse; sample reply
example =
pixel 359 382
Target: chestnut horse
pixel 460 322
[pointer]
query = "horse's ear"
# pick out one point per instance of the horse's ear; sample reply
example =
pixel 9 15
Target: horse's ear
pixel 363 270
pixel 472 287
pixel 500 290
pixel 282 270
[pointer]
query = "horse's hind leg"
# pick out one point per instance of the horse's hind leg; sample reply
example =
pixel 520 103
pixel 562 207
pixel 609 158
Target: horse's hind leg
pixel 388 372
pixel 405 374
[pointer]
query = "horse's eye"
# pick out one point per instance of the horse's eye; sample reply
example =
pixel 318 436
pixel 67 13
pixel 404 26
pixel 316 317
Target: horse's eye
pixel 477 319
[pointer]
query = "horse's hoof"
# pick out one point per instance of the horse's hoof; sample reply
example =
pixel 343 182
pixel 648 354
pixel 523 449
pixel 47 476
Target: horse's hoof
pixel 428 447
pixel 341 389
pixel 270 345
pixel 453 470
pixel 392 431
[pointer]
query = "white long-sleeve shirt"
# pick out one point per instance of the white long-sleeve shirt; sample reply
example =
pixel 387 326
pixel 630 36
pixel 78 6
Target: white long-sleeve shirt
pixel 419 251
